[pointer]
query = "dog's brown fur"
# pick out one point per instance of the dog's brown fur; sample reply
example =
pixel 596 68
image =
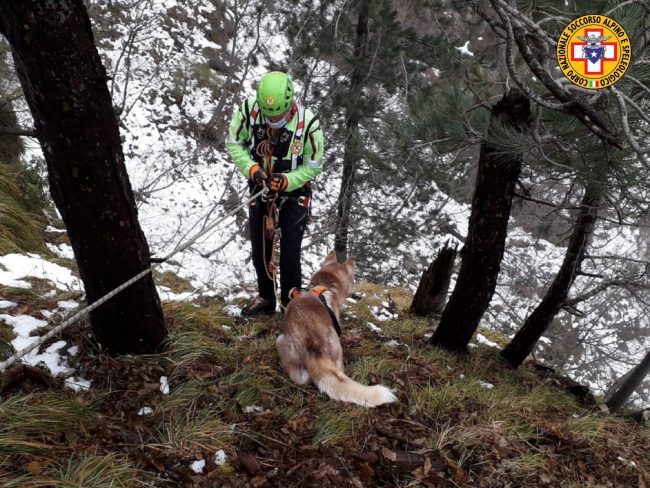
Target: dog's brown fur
pixel 309 347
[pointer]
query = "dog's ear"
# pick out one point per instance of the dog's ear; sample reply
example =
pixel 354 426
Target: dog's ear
pixel 351 264
pixel 330 258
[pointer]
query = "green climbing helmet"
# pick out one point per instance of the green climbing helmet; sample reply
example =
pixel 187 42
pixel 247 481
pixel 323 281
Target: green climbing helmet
pixel 275 93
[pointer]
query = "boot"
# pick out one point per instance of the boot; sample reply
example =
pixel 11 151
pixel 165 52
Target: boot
pixel 258 306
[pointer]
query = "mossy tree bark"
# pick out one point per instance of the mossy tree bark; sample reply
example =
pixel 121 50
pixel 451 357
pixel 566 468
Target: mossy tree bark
pixel 488 224
pixel 65 86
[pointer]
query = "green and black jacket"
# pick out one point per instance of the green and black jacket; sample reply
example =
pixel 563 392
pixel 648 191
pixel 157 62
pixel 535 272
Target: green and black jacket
pixel 297 147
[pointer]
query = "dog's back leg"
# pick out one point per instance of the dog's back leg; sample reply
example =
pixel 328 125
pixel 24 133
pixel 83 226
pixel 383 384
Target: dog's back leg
pixel 290 360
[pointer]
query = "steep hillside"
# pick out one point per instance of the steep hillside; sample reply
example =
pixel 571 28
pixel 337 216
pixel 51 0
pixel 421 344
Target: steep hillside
pixel 215 409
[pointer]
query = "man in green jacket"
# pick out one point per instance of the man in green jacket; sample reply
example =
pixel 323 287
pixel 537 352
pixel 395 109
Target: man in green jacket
pixel 273 139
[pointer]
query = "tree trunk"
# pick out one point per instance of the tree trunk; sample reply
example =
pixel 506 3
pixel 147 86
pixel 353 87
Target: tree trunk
pixel 537 322
pixel 65 86
pixel 351 148
pixel 488 224
pixel 431 294
pixel 622 390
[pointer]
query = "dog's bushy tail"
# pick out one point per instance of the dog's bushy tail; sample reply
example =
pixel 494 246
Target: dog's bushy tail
pixel 338 386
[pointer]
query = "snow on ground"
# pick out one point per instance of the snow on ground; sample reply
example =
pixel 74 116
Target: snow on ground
pixel 164 385
pixel 23 326
pixel 197 466
pixel 144 411
pixel 374 328
pixel 63 250
pixel 14 268
pixel 77 384
pixel 481 339
pixel 220 457
pixel 67 304
pixel 465 49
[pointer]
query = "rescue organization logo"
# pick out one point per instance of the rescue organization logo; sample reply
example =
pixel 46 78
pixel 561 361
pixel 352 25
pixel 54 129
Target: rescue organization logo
pixel 296 148
pixel 594 51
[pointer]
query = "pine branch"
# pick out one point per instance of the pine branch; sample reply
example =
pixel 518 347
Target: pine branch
pixel 510 64
pixel 609 13
pixel 525 34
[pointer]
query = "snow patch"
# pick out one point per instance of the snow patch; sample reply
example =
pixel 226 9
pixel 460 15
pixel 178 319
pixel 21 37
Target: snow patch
pixel 481 339
pixel 220 457
pixel 465 49
pixel 62 250
pixel 374 328
pixel 197 466
pixel 164 385
pixel 253 409
pixel 168 295
pixel 15 267
pixel 77 383
pixel 67 304
pixel 232 310
pixel 145 411
pixel 383 313
pixel 49 228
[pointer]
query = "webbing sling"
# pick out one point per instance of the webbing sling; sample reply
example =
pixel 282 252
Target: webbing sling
pixel 296 147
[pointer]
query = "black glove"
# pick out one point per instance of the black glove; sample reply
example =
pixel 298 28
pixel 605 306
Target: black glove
pixel 257 175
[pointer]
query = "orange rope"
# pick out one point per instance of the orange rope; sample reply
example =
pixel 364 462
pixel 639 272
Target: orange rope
pixel 270 221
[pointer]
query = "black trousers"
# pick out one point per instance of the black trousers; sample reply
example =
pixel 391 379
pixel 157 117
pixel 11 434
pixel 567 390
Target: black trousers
pixel 293 221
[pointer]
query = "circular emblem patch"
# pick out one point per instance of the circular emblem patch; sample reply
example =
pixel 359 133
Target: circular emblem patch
pixel 594 51
pixel 296 148
pixel 270 101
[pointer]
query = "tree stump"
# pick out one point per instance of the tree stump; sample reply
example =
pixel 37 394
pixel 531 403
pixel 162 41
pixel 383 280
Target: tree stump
pixel 431 294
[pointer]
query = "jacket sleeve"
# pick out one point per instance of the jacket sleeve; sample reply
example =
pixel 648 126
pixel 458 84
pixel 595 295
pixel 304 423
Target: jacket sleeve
pixel 312 163
pixel 237 141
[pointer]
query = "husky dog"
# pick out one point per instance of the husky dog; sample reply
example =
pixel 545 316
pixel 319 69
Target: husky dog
pixel 309 346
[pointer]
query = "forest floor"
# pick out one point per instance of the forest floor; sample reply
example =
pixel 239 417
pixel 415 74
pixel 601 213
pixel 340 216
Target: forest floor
pixel 232 418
